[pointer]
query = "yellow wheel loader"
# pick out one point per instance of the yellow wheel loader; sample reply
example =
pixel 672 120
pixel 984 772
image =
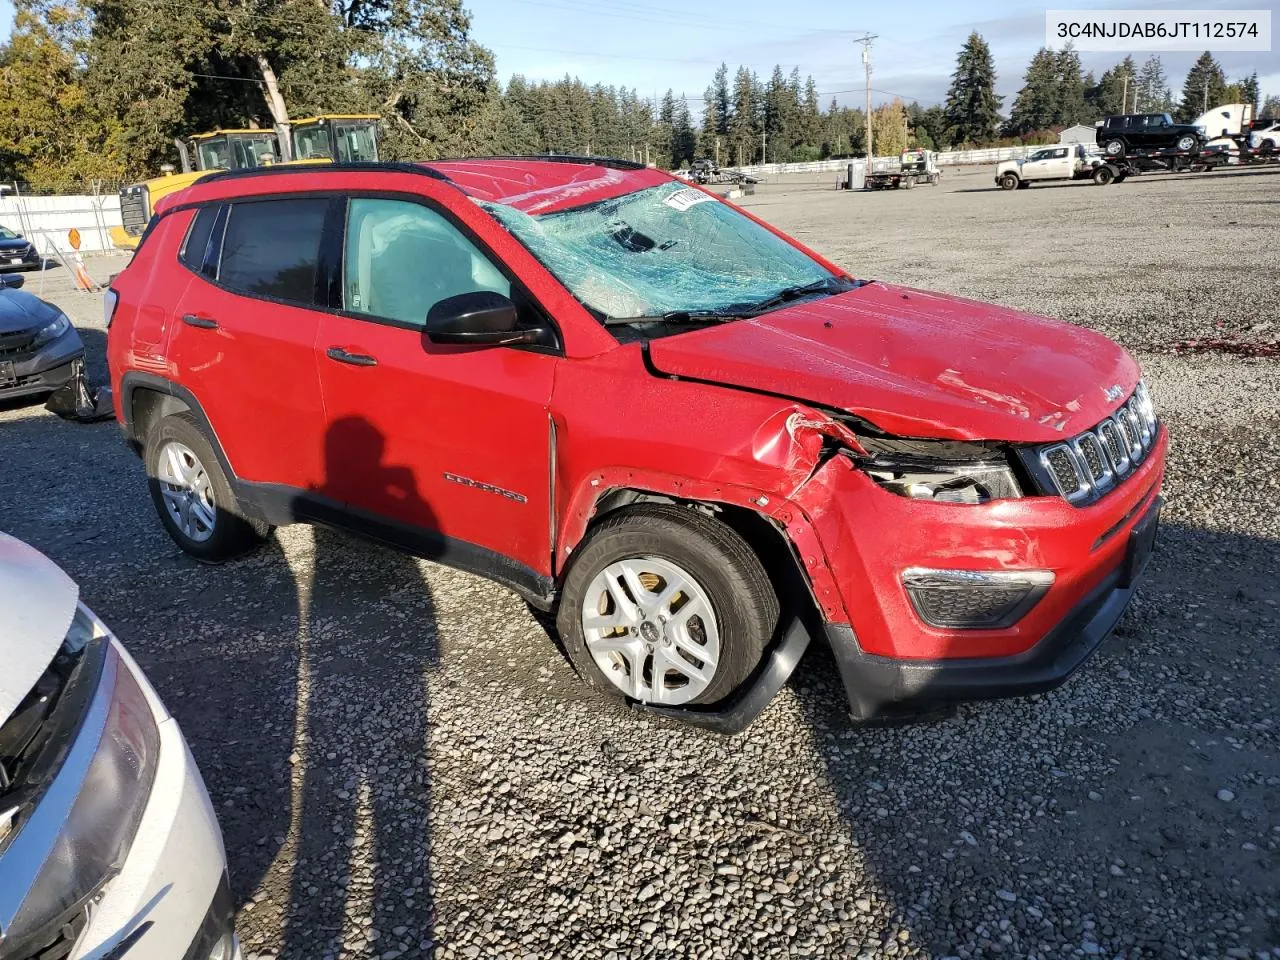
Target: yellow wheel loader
pixel 344 138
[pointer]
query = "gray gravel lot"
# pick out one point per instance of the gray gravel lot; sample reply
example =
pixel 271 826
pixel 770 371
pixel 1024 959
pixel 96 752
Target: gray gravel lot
pixel 404 765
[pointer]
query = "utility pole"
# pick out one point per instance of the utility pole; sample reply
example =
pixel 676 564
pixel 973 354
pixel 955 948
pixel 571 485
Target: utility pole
pixel 764 143
pixel 865 40
pixel 1205 108
pixel 1124 98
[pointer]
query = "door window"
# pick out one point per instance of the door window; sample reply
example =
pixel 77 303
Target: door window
pixel 403 258
pixel 271 248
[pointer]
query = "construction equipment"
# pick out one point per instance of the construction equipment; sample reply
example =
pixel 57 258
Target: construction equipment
pixel 344 138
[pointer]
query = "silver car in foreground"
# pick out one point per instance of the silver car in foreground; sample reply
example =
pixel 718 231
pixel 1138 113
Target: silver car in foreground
pixel 109 847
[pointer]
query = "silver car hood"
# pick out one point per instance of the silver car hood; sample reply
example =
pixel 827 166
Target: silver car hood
pixel 37 602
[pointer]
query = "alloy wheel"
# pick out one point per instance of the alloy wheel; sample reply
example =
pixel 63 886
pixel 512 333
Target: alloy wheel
pixel 651 629
pixel 187 491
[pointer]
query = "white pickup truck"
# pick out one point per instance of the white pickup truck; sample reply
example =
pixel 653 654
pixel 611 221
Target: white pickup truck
pixel 1064 162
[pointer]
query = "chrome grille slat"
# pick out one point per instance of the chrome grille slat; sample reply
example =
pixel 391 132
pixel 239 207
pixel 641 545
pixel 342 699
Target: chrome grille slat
pixel 1087 466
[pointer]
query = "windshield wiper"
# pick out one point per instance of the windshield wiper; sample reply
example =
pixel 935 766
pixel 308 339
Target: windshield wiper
pixel 830 285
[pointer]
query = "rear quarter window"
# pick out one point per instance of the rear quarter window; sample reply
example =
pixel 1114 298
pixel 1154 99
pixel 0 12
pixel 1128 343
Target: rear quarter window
pixel 271 248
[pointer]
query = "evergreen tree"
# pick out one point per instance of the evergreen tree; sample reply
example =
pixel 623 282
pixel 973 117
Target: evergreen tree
pixel 973 108
pixel 1071 108
pixel 683 139
pixel 1205 87
pixel 775 118
pixel 723 100
pixel 1036 106
pixel 743 123
pixel 1153 87
pixel 1249 92
pixel 1114 92
pixel 1270 109
pixel 709 136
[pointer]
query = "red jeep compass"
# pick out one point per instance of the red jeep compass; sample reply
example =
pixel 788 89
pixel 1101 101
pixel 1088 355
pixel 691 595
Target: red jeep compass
pixel 643 409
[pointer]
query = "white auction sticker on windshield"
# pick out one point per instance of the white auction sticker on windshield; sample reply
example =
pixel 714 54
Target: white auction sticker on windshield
pixel 682 200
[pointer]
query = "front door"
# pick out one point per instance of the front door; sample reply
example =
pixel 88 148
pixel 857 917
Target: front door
pixel 432 439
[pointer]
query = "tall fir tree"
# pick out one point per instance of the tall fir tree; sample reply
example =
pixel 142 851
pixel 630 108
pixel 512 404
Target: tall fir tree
pixel 1115 90
pixel 1071 108
pixel 1154 95
pixel 683 139
pixel 1270 108
pixel 1036 106
pixel 973 107
pixel 743 124
pixel 1205 87
pixel 723 99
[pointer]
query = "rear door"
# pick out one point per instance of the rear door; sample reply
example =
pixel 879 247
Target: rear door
pixel 1057 165
pixel 244 340
pixel 447 442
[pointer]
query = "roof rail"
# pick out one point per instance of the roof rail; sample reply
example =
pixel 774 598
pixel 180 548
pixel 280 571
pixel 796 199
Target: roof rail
pixel 613 162
pixel 363 166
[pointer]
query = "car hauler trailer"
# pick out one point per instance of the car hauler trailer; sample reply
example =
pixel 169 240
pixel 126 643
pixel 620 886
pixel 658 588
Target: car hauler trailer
pixel 914 166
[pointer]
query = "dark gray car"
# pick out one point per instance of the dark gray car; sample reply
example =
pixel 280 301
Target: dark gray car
pixel 37 345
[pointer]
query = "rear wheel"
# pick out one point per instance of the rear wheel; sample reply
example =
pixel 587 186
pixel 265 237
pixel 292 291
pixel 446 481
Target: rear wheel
pixel 665 605
pixel 1009 181
pixel 192 494
pixel 1103 175
pixel 907 183
pixel 1114 147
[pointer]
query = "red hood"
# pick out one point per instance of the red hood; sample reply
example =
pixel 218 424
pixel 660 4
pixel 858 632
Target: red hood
pixel 917 364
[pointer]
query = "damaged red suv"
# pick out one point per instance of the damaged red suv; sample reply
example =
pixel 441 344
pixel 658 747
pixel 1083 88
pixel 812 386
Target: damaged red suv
pixel 694 441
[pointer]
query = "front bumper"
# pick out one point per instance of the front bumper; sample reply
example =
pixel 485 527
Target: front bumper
pixel 886 652
pixel 25 260
pixel 43 371
pixel 873 682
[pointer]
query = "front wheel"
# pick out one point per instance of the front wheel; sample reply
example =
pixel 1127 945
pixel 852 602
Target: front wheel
pixel 192 494
pixel 1009 181
pixel 667 606
pixel 1114 148
pixel 1187 143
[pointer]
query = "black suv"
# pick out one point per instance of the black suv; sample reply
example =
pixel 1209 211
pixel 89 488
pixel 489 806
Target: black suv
pixel 1146 131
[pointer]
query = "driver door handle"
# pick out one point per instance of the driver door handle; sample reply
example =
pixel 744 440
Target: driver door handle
pixel 355 359
pixel 195 320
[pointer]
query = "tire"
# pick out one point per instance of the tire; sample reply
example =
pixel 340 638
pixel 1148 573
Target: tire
pixel 1114 147
pixel 1103 175
pixel 1268 146
pixel 198 510
pixel 1186 143
pixel 1009 181
pixel 908 184
pixel 721 583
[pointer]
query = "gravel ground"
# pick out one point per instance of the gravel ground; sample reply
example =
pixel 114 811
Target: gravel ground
pixel 404 765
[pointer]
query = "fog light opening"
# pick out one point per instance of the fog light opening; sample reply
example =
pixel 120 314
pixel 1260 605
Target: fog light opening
pixel 974 599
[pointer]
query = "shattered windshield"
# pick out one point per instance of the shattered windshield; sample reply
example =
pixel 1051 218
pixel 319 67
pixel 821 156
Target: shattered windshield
pixel 663 251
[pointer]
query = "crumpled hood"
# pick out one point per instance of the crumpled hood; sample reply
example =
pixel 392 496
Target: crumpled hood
pixel 917 364
pixel 22 311
pixel 37 602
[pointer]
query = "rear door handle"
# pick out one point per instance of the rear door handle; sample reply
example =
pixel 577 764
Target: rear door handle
pixel 355 359
pixel 195 320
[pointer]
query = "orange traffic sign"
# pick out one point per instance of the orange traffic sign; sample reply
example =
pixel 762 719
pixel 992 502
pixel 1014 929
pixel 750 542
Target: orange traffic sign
pixel 73 237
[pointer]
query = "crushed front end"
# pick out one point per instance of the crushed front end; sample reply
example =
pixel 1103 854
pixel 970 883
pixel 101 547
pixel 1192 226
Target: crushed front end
pixel 978 570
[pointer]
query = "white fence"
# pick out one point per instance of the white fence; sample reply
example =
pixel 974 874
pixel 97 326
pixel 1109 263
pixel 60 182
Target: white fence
pixel 45 221
pixel 950 158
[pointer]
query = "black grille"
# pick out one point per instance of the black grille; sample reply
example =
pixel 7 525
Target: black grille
pixel 1085 467
pixel 1091 449
pixel 12 344
pixel 1063 466
pixel 135 209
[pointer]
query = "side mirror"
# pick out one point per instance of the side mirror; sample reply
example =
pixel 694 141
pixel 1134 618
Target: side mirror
pixel 481 318
pixel 11 281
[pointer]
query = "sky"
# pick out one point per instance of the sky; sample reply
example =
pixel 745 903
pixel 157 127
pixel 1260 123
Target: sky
pixel 653 45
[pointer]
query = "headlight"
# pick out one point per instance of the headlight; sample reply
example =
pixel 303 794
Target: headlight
pixel 53 330
pixel 105 809
pixel 940 470
pixel 1146 408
